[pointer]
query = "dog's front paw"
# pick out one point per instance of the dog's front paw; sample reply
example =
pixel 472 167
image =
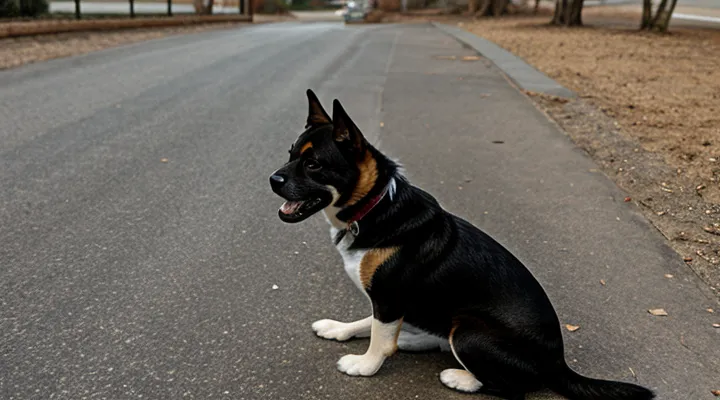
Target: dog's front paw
pixel 359 365
pixel 333 330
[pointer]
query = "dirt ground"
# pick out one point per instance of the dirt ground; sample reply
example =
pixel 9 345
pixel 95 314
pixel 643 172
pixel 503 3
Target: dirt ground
pixel 18 51
pixel 23 50
pixel 648 112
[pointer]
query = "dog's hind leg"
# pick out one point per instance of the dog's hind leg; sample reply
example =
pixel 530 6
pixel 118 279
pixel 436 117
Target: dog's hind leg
pixel 341 331
pixel 488 366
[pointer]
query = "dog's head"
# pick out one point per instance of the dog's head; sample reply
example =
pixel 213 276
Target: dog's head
pixel 330 165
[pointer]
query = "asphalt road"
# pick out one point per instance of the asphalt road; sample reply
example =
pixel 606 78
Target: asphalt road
pixel 125 277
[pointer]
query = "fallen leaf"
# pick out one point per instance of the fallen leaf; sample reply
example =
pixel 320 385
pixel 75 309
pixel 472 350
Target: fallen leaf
pixel 687 259
pixel 716 325
pixel 470 58
pixel 572 328
pixel 627 199
pixel 164 160
pixel 602 282
pixel 710 310
pixel 658 312
pixel 712 229
pixel 668 276
pixel 275 287
pixel 661 213
pixel 715 392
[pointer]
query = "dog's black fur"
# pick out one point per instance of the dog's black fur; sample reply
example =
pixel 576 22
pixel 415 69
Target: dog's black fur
pixel 445 276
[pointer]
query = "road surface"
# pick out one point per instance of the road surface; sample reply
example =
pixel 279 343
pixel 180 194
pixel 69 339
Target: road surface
pixel 140 244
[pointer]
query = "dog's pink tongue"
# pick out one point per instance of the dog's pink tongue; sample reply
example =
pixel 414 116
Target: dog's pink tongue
pixel 290 207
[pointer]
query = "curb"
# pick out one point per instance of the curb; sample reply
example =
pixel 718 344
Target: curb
pixel 16 29
pixel 521 73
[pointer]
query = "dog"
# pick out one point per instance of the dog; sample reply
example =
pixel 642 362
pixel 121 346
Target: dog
pixel 444 281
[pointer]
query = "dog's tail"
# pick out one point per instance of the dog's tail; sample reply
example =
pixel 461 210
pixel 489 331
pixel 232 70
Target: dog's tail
pixel 577 387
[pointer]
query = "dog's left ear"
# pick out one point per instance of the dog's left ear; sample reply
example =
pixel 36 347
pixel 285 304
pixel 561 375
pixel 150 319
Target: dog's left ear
pixel 316 113
pixel 345 131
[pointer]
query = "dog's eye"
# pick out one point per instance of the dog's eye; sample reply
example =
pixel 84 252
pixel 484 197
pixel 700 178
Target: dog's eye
pixel 312 165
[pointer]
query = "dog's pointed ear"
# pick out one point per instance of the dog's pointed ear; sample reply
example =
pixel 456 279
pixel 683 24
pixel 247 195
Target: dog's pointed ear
pixel 316 113
pixel 345 130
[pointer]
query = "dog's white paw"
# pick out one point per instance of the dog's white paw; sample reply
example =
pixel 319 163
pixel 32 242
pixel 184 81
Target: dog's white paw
pixel 417 342
pixel 334 330
pixel 359 365
pixel 461 380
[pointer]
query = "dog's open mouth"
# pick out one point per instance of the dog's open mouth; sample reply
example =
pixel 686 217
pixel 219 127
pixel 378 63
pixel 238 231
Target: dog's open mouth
pixel 296 211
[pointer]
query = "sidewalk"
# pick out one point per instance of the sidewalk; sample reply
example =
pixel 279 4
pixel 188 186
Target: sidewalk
pixel 487 153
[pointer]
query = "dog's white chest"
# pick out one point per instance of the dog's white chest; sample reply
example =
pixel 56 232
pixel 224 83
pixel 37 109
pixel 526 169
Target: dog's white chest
pixel 351 258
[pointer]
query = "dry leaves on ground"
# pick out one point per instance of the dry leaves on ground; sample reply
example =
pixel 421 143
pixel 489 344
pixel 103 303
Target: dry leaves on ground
pixel 663 89
pixel 572 328
pixel 18 51
pixel 658 312
pixel 648 113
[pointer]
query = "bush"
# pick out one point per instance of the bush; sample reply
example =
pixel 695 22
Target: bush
pixel 9 9
pixel 23 8
pixel 33 8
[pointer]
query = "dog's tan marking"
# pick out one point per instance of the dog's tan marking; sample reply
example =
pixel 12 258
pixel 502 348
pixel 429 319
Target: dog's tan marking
pixel 452 332
pixel 366 180
pixel 305 147
pixel 372 260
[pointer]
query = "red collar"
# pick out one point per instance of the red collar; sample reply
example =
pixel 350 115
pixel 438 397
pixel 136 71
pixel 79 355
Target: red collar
pixel 353 222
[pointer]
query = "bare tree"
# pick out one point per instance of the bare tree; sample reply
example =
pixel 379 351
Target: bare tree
pixel 488 8
pixel 660 20
pixel 568 12
pixel 203 7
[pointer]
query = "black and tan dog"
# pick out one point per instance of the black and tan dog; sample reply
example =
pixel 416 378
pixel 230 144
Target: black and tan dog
pixel 446 283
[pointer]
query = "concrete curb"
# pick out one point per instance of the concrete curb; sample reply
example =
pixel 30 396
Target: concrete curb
pixel 15 29
pixel 521 73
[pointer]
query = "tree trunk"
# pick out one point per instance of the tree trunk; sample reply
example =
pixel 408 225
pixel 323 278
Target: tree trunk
pixel 500 7
pixel 576 15
pixel 202 8
pixel 646 14
pixel 659 12
pixel 492 8
pixel 661 20
pixel 537 7
pixel 472 7
pixel 568 12
pixel 664 23
pixel 559 15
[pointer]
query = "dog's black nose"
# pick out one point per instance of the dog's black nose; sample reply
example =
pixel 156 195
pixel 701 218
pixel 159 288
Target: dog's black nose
pixel 277 181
